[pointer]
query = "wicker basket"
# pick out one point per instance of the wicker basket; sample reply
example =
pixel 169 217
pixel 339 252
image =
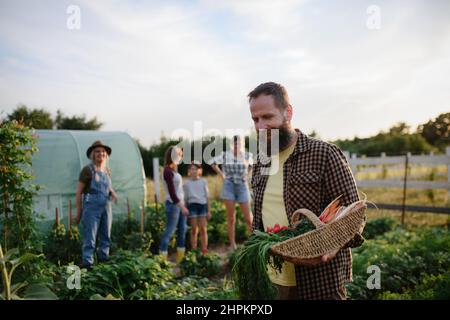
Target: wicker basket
pixel 324 239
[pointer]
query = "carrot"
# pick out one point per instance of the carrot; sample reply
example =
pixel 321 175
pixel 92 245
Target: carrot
pixel 332 214
pixel 331 208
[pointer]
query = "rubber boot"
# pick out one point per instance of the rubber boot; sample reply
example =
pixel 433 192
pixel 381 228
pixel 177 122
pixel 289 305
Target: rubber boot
pixel 163 254
pixel 180 255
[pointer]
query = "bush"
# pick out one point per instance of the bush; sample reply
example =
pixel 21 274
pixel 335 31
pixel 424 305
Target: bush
pixel 196 263
pixel 125 234
pixel 196 288
pixel 404 258
pixel 155 223
pixel 62 247
pixel 378 227
pixel 434 287
pixel 431 287
pixel 127 275
pixel 17 224
pixel 217 226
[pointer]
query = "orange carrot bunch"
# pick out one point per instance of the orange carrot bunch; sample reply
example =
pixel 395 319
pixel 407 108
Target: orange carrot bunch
pixel 331 211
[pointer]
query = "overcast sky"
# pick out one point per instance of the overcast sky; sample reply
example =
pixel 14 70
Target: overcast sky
pixel 147 67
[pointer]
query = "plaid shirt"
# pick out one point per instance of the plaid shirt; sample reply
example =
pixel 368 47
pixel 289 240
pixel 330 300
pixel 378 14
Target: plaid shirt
pixel 235 169
pixel 314 175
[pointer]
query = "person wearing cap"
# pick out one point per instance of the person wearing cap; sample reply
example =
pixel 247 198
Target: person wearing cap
pixel 95 188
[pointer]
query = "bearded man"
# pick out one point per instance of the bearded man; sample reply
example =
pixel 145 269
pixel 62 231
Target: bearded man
pixel 303 173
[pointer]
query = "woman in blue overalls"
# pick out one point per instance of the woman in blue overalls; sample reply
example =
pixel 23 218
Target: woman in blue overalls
pixel 95 184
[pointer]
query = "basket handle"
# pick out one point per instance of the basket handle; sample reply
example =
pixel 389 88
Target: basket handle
pixel 308 214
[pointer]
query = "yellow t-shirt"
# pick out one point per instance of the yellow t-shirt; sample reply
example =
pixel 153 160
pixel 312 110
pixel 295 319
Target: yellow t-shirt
pixel 273 212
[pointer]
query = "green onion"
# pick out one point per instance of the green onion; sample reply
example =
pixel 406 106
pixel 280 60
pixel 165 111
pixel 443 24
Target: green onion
pixel 250 269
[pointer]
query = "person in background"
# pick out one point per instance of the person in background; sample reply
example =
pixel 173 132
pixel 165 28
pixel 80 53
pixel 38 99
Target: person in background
pixel 196 196
pixel 176 211
pixel 236 166
pixel 94 186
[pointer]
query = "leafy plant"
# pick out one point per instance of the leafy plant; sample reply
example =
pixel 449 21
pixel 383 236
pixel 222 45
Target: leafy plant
pixel 155 223
pixel 196 288
pixel 431 287
pixel 405 258
pixel 196 263
pixel 378 227
pixel 61 246
pixel 125 234
pixel 17 145
pixel 9 262
pixel 127 275
pixel 217 226
pixel 250 266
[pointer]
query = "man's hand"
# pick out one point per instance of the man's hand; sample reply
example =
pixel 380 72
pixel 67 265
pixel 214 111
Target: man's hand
pixel 327 257
pixel 316 261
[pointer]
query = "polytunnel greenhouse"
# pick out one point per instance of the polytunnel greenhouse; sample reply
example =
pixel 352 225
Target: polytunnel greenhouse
pixel 62 155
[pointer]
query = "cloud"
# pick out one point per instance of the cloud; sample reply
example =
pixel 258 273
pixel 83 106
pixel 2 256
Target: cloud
pixel 147 67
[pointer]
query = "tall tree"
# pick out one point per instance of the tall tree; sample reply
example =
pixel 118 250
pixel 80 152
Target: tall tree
pixel 76 122
pixel 34 118
pixel 437 131
pixel 400 128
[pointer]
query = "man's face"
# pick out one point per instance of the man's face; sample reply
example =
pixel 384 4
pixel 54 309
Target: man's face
pixel 267 116
pixel 265 113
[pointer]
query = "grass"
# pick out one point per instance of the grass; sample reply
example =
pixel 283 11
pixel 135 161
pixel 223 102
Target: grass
pixel 415 172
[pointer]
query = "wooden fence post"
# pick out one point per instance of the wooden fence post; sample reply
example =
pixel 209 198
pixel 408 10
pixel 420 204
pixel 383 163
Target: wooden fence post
pixel 129 210
pixel 142 217
pixel 57 216
pixel 384 170
pixel 447 152
pixel 156 204
pixel 405 182
pixel 70 215
pixel 129 216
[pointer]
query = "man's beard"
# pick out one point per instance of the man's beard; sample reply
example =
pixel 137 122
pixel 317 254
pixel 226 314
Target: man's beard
pixel 270 145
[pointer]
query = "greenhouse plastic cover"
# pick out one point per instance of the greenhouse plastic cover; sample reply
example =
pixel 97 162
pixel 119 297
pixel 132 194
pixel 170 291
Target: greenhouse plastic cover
pixel 62 155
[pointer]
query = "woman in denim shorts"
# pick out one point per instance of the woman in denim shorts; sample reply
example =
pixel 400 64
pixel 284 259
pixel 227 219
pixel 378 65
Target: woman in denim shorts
pixel 236 165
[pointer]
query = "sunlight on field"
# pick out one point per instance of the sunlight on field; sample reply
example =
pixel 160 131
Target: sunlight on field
pixel 411 218
pixel 432 198
pixel 437 198
pixel 415 172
